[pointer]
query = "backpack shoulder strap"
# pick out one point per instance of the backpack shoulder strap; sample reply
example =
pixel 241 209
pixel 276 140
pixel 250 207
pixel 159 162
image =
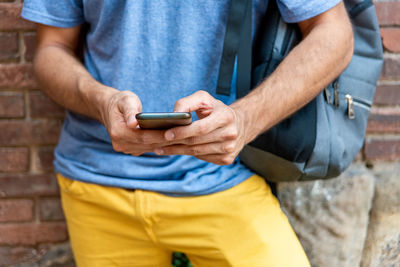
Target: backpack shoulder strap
pixel 240 9
pixel 244 55
pixel 255 60
pixel 273 41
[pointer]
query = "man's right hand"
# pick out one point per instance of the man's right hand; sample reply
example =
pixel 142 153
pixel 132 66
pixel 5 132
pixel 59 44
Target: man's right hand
pixel 72 86
pixel 118 115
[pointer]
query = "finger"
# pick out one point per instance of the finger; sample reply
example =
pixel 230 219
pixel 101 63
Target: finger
pixel 147 137
pixel 197 150
pixel 154 138
pixel 198 128
pixel 218 135
pixel 198 100
pixel 137 136
pixel 133 148
pixel 130 105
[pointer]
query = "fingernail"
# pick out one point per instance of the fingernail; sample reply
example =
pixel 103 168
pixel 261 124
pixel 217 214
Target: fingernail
pixel 159 151
pixel 169 136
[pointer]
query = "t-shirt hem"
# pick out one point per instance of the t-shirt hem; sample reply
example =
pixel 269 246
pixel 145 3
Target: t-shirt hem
pixel 222 187
pixel 35 16
pixel 225 186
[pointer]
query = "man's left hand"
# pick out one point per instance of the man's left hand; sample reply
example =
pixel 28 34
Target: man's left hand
pixel 218 135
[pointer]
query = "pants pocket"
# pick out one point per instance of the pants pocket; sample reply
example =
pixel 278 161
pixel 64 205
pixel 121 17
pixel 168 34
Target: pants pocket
pixel 69 186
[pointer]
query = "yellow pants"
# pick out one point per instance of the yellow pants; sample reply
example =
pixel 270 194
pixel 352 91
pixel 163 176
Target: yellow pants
pixel 241 226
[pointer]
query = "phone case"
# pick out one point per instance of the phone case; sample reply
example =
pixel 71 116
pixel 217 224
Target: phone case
pixel 163 120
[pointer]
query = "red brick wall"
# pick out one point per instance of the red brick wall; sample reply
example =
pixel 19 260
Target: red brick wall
pixel 383 139
pixel 30 213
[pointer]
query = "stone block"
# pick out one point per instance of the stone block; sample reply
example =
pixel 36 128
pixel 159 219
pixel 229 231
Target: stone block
pixel 382 246
pixel 330 217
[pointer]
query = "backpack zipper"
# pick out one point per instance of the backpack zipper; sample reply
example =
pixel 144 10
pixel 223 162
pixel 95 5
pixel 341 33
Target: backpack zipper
pixel 285 43
pixel 351 101
pixel 350 107
pixel 335 94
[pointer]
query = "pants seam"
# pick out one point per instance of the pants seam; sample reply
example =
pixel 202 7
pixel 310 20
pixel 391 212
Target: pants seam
pixel 144 216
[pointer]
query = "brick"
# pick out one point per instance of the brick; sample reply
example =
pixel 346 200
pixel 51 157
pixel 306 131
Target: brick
pixel 16 210
pixel 387 95
pixel 41 106
pixel 388 13
pixel 14 159
pixel 391 69
pixel 32 234
pixel 44 159
pixel 28 185
pixel 8 46
pixel 12 256
pixel 10 18
pixel 17 75
pixel 388 150
pixel 391 39
pixel 384 123
pixel 30 132
pixel 50 209
pixel 30 44
pixel 12 105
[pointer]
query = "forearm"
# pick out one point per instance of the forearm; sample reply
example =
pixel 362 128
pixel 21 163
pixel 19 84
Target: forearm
pixel 315 62
pixel 64 79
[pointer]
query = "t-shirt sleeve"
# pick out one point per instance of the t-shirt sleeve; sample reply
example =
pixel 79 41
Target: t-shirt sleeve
pixel 58 13
pixel 298 10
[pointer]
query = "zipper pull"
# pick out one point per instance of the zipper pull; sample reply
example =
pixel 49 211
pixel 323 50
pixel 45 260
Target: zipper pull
pixel 350 107
pixel 328 97
pixel 335 94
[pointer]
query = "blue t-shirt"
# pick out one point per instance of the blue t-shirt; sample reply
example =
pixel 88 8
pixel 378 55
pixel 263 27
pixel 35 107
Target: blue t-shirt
pixel 162 51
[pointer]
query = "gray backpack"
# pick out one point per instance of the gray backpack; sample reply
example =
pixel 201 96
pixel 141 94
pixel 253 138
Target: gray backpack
pixel 323 138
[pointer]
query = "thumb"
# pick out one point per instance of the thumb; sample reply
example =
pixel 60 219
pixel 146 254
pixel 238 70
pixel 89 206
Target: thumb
pixel 200 100
pixel 129 107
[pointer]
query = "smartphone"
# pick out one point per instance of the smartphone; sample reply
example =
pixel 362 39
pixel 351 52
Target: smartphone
pixel 163 120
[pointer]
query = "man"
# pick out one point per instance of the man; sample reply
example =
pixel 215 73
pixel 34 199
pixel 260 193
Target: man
pixel 133 196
